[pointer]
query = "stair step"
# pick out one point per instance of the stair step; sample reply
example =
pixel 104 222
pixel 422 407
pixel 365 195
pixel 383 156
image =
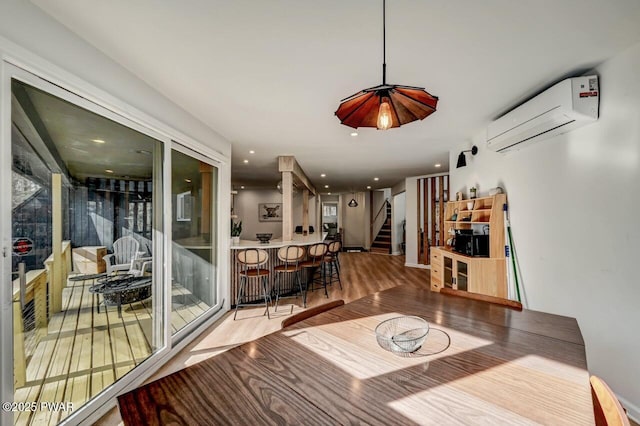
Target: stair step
pixel 379 250
pixel 382 246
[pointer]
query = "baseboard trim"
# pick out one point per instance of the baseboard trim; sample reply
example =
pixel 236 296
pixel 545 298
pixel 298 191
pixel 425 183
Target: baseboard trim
pixel 633 412
pixel 417 265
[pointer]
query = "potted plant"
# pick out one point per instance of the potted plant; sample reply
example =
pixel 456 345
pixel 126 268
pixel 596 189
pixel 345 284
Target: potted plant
pixel 236 230
pixel 472 192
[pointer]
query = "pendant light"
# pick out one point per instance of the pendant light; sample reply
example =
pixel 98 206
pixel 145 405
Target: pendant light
pixel 386 105
pixel 353 202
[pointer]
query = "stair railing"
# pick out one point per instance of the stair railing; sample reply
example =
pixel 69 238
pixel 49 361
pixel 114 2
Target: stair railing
pixel 379 219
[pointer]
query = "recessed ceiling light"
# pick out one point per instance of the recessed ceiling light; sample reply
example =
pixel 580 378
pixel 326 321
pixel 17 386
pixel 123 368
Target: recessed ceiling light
pixel 323 175
pixel 438 165
pixel 376 179
pixel 246 161
pixel 354 133
pixel 368 186
pixel 108 170
pixel 242 187
pixel 188 180
pixel 326 186
pixel 252 152
pixel 97 140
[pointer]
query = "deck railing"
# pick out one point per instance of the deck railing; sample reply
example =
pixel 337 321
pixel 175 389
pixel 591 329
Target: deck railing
pixel 35 289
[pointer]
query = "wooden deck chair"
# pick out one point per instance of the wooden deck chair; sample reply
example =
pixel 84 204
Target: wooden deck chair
pixel 126 251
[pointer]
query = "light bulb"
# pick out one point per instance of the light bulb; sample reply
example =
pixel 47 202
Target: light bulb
pixel 384 115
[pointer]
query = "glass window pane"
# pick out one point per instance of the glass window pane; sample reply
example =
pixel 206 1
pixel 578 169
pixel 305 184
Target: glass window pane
pixel 83 251
pixel 194 197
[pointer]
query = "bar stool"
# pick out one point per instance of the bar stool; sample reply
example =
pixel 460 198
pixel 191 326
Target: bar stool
pixel 331 260
pixel 317 253
pixel 251 260
pixel 291 256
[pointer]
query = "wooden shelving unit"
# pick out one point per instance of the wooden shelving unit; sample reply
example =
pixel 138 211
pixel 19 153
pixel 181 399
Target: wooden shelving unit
pixel 485 211
pixel 462 273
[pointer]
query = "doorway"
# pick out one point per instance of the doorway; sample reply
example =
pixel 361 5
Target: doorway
pixel 330 219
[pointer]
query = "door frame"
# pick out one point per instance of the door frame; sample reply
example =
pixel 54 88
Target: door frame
pixel 221 301
pixel 16 62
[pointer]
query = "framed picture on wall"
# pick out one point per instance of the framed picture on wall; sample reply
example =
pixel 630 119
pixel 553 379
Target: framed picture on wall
pixel 270 212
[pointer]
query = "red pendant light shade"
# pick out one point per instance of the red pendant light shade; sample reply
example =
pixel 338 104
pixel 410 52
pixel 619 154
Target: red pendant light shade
pixel 387 105
pixel 406 104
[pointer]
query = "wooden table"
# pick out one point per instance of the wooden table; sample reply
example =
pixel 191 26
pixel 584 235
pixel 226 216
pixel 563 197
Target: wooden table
pixel 481 364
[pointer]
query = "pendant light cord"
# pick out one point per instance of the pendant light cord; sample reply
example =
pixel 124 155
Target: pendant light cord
pixel 384 42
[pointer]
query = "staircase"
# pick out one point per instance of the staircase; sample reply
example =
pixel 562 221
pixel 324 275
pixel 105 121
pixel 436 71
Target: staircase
pixel 382 243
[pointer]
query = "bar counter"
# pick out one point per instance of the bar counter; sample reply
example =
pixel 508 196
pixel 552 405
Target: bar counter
pixel 254 291
pixel 298 240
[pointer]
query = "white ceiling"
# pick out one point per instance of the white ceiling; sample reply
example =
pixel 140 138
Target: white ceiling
pixel 269 74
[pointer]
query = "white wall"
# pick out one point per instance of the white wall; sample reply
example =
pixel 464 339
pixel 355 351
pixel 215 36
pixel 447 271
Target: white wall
pixel 297 211
pixel 398 215
pixel 574 204
pixel 26 25
pixel 399 187
pixel 246 207
pixel 355 220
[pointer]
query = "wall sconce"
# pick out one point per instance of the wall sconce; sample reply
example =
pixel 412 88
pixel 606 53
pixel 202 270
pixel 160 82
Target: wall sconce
pixel 462 160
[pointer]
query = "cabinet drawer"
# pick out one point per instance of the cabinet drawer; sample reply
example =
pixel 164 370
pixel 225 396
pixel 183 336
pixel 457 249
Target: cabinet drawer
pixel 436 279
pixel 436 271
pixel 436 257
pixel 436 284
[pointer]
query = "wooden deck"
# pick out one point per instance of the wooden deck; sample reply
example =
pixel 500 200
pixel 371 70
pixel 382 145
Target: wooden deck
pixel 84 350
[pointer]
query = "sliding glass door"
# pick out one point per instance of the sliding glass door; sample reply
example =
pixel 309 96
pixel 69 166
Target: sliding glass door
pixel 111 248
pixel 194 195
pixel 87 244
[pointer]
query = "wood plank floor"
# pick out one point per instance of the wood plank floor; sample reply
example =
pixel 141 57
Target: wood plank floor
pixel 85 351
pixel 361 273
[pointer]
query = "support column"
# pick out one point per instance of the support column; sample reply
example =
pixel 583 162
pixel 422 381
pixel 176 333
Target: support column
pixel 206 175
pixel 305 211
pixel 291 170
pixel 287 206
pixel 55 281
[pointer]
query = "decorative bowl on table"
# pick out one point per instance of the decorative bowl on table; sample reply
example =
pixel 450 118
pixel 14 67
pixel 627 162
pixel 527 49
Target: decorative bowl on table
pixel 263 238
pixel 404 334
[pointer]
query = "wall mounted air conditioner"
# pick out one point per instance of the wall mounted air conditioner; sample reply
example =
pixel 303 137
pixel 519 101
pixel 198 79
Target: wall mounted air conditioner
pixel 565 106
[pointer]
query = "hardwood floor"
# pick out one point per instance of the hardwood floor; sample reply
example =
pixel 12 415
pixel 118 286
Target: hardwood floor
pixel 362 274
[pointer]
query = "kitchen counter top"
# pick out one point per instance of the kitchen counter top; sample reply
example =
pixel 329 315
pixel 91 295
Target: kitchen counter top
pixel 298 239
